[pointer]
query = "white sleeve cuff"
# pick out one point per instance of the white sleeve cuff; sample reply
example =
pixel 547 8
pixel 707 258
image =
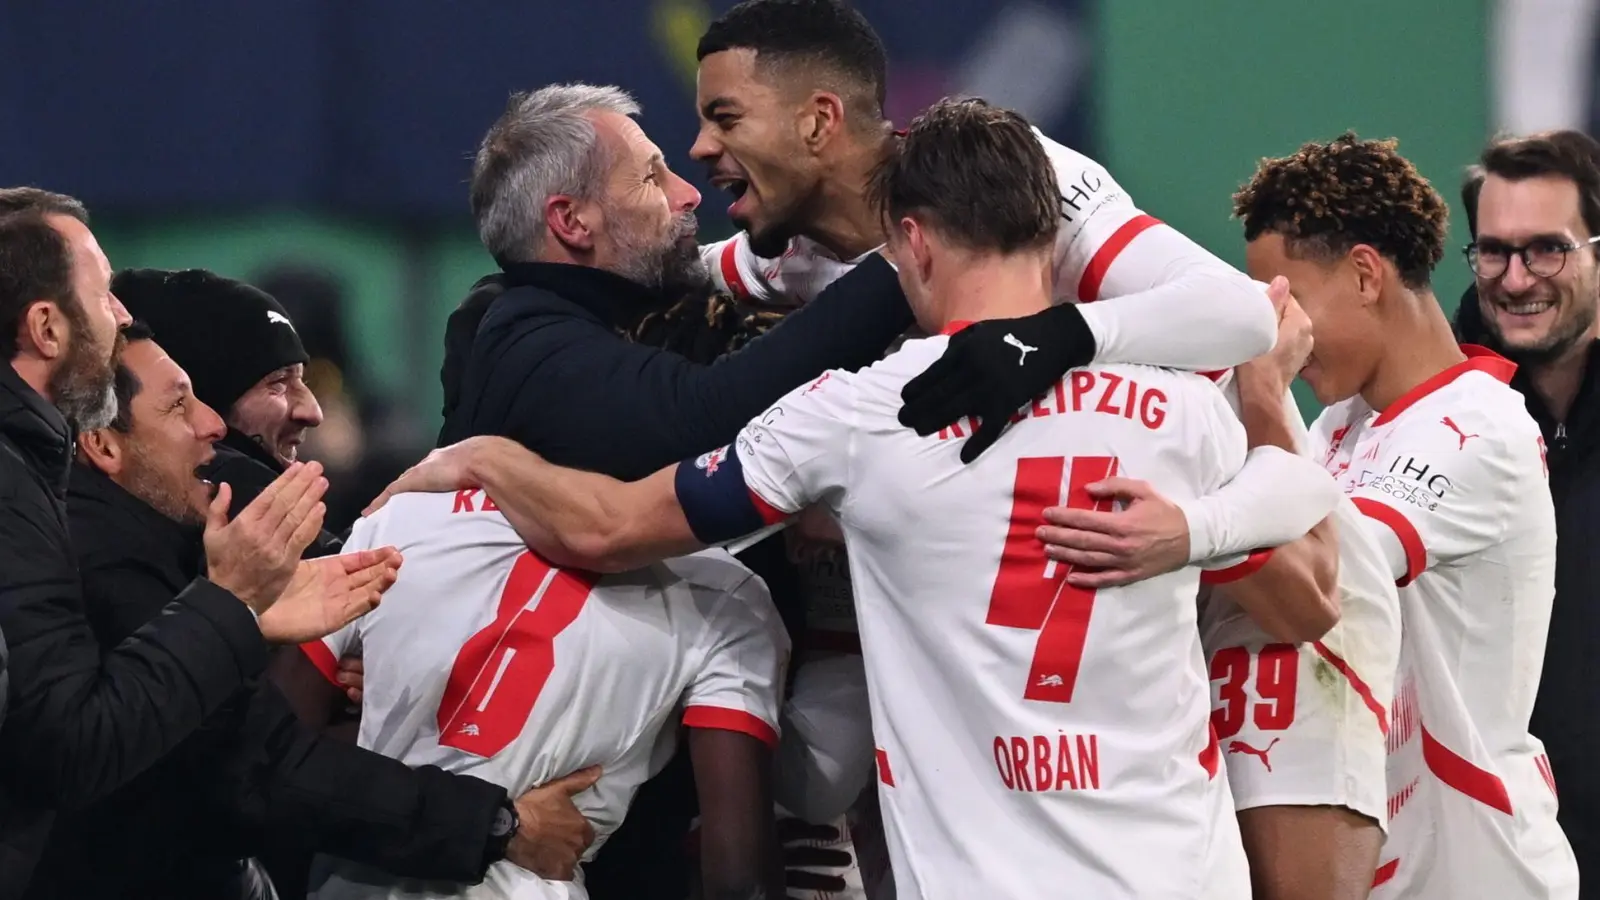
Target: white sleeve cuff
pixel 1276 498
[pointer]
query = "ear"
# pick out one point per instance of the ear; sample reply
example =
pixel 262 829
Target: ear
pixel 920 244
pixel 572 222
pixel 823 116
pixel 103 449
pixel 1370 270
pixel 45 330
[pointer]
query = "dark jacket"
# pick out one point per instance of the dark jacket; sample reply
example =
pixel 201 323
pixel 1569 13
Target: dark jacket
pixel 1566 715
pixel 252 771
pixel 84 720
pixel 539 355
pixel 548 369
pixel 248 469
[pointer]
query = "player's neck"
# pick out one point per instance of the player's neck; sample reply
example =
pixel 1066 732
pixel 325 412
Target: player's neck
pixel 992 287
pixel 846 224
pixel 1418 345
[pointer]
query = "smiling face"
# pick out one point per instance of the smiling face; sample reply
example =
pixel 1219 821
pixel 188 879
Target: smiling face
pixel 162 439
pixel 751 140
pixel 1532 317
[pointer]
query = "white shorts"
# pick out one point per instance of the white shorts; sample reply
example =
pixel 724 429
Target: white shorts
pixel 1298 724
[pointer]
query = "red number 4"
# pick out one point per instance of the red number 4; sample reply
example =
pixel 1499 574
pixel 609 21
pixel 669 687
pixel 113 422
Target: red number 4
pixel 1277 675
pixel 1031 590
pixel 499 673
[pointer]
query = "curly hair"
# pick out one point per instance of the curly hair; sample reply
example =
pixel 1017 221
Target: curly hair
pixel 1326 198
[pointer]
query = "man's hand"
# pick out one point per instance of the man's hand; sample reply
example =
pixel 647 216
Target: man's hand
pixel 351 677
pixel 1149 537
pixel 329 593
pixel 440 472
pixel 991 369
pixel 552 835
pixel 254 556
pixel 1275 370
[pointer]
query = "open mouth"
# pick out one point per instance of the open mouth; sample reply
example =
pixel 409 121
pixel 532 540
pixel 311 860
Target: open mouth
pixel 1525 307
pixel 738 187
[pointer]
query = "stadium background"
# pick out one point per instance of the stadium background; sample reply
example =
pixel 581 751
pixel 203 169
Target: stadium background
pixel 323 148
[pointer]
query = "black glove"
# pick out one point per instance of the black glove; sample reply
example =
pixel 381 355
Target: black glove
pixel 992 369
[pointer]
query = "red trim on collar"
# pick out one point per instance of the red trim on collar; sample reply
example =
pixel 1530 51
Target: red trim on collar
pixel 955 326
pixel 1479 359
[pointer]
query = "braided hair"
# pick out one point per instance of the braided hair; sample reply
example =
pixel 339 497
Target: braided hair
pixel 703 327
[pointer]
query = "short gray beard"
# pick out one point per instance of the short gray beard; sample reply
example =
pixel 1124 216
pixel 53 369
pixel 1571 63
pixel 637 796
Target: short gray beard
pixel 660 264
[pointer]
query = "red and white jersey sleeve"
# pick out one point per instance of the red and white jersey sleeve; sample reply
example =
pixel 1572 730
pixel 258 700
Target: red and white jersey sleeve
pixel 1178 304
pixel 794 278
pixel 740 681
pixel 1443 486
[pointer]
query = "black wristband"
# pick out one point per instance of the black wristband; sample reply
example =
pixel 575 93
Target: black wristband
pixel 501 830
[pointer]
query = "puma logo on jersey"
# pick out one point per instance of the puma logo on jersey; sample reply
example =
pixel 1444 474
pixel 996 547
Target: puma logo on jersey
pixel 1242 747
pixel 278 317
pixel 1013 341
pixel 469 729
pixel 1050 681
pixel 1462 436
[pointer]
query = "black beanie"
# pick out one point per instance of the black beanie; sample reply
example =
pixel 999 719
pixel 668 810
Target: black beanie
pixel 226 334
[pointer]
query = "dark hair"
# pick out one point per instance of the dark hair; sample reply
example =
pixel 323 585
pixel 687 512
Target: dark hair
pixel 32 199
pixel 127 385
pixel 977 173
pixel 35 265
pixel 1572 155
pixel 829 35
pixel 1326 198
pixel 1471 187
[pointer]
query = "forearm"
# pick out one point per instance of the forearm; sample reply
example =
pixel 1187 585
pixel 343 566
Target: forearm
pixel 583 520
pixel 1269 414
pixel 1276 498
pixel 1170 303
pixel 1294 597
pixel 81 726
pixel 337 798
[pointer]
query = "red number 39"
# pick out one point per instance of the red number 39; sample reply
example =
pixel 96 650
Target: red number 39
pixel 1277 675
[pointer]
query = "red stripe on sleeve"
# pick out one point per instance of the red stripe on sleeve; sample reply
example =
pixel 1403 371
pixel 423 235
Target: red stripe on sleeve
pixel 1459 773
pixel 322 658
pixel 1250 566
pixel 730 268
pixel 724 719
pixel 1362 691
pixel 1416 555
pixel 1095 273
pixel 769 514
pixel 884 775
pixel 1210 753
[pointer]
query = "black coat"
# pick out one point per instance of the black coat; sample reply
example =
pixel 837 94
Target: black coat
pixel 252 773
pixel 84 720
pixel 1566 714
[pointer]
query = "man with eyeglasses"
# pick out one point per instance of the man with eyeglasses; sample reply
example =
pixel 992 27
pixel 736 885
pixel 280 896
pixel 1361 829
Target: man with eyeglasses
pixel 1534 207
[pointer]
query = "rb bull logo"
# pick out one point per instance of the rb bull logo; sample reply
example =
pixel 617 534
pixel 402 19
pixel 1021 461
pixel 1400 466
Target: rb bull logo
pixel 710 462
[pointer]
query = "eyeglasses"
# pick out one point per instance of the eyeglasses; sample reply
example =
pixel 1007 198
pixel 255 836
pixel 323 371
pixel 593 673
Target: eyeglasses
pixel 1543 257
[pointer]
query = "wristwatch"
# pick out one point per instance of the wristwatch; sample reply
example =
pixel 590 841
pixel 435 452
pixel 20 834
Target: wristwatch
pixel 505 825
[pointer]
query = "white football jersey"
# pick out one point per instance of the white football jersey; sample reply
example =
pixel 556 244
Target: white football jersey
pixel 1306 724
pixel 1453 475
pixel 484 660
pixel 1031 736
pixel 1098 221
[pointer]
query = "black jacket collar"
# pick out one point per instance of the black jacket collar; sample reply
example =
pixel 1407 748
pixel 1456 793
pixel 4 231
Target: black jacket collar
pixel 248 446
pixel 614 300
pixel 106 519
pixel 37 429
